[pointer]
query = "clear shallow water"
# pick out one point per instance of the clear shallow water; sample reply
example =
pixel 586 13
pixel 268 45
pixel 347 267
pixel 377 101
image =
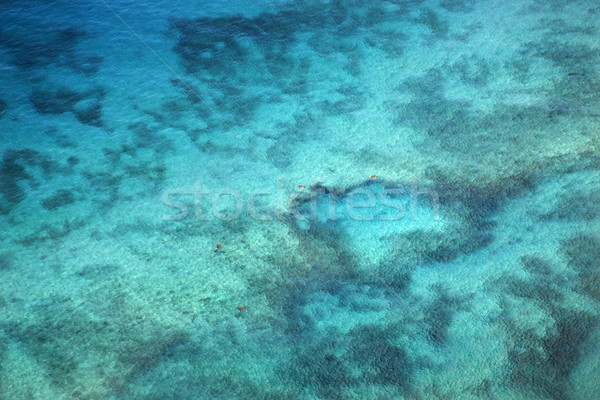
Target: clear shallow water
pixel 137 140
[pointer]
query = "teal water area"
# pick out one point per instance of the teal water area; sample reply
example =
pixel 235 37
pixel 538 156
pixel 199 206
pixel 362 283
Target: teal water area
pixel 303 199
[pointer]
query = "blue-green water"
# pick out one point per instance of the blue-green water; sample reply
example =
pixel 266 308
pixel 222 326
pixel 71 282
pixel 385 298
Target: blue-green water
pixel 307 199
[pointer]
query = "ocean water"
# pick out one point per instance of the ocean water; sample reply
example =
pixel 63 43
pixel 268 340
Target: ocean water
pixel 303 199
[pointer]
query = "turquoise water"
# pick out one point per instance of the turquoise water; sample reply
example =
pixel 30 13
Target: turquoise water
pixel 303 199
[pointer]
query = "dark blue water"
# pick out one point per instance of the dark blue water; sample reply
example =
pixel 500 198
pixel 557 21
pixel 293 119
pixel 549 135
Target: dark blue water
pixel 300 200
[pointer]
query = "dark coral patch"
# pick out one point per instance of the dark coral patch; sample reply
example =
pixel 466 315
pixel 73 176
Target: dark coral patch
pixel 438 316
pixel 438 26
pixel 58 101
pixel 320 368
pixel 90 115
pixel 472 71
pixel 563 348
pixel 42 47
pixel 462 6
pixel 385 363
pixel 542 361
pixel 234 53
pixel 576 206
pixel 22 169
pixel 331 363
pixel 543 366
pixel 61 198
pixel 536 265
pixel 13 170
pixel 583 253
pixel 84 105
pixel 425 246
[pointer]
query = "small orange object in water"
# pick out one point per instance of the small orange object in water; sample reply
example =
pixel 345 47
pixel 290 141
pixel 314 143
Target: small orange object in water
pixel 241 308
pixel 218 246
pixel 373 176
pixel 302 186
